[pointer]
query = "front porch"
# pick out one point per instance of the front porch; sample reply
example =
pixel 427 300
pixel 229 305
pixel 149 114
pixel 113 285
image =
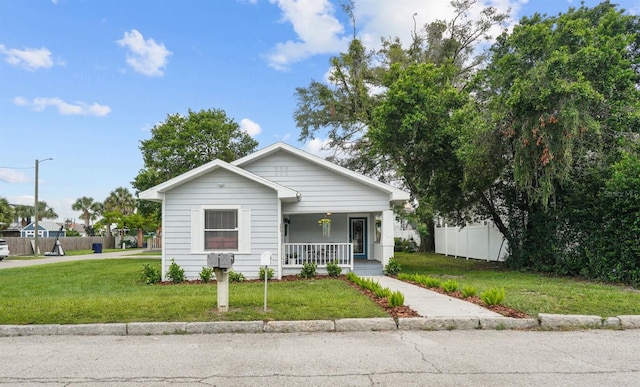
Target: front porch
pixel 344 238
pixel 297 254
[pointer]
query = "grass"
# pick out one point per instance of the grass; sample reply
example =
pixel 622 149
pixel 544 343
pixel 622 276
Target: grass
pixel 109 290
pixel 132 252
pixel 529 292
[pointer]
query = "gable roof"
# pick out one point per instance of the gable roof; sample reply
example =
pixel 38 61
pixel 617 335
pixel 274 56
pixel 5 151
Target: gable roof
pixel 397 195
pixel 43 225
pixel 157 192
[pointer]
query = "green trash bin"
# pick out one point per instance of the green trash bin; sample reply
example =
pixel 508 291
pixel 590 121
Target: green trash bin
pixel 97 248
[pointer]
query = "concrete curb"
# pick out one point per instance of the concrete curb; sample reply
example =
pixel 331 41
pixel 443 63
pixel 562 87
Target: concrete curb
pixel 544 321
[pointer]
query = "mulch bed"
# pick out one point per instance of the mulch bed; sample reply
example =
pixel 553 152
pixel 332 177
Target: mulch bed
pixel 500 309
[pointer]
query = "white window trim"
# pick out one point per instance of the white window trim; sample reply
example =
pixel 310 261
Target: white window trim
pixel 244 229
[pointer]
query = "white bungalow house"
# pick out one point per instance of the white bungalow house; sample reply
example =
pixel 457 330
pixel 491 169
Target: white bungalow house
pixel 297 206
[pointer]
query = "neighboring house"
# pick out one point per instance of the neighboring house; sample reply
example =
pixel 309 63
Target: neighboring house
pixel 280 199
pixel 47 230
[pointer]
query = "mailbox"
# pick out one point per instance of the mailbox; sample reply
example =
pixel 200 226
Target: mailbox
pixel 226 260
pixel 220 260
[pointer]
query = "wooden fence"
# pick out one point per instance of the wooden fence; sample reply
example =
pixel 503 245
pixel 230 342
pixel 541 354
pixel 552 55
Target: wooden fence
pixel 22 246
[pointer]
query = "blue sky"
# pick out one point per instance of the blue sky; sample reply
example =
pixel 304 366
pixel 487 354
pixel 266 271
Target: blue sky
pixel 84 81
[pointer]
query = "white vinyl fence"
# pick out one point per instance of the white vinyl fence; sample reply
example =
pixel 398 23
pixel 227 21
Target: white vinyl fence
pixel 479 241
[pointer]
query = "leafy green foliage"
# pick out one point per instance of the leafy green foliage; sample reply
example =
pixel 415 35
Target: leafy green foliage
pixel 182 143
pixel 493 296
pixel 469 291
pixel 333 269
pixel 206 274
pixel 269 272
pixel 392 267
pixel 449 286
pixel 308 270
pixel 235 276
pixel 150 274
pixel 404 245
pixel 382 292
pixel 396 299
pixel 175 273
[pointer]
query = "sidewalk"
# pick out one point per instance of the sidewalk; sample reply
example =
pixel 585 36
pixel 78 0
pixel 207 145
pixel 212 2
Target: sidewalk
pixel 6 264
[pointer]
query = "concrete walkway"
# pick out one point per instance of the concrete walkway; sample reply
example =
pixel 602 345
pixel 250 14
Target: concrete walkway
pixel 433 304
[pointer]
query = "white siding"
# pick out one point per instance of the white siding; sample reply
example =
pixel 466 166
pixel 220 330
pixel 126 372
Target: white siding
pixel 220 188
pixel 322 189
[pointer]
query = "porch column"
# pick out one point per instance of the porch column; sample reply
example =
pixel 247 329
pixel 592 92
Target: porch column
pixel 386 237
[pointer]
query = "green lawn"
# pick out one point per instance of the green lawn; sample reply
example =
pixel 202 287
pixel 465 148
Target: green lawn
pixel 109 290
pixel 528 292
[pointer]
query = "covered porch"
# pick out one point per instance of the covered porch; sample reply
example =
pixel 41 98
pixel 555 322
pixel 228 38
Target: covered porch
pixel 343 238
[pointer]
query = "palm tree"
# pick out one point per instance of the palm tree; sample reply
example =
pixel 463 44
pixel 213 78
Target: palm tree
pixel 120 200
pixel 90 209
pixel 24 214
pixel 45 212
pixel 6 213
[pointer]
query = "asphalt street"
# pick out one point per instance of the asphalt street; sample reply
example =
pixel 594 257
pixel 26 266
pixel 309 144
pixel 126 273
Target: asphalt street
pixel 399 358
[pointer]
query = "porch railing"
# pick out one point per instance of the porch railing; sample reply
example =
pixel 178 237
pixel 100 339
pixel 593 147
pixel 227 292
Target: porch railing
pixel 296 254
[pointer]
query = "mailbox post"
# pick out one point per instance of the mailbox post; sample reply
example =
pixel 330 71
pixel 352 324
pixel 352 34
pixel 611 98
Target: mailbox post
pixel 265 260
pixel 221 263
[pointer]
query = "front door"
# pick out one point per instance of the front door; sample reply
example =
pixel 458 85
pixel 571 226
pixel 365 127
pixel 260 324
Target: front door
pixel 358 236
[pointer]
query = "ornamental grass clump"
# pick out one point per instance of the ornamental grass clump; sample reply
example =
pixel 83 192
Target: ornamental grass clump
pixel 449 286
pixel 396 299
pixel 469 291
pixel 493 296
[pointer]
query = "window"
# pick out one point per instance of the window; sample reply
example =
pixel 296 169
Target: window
pixel 221 230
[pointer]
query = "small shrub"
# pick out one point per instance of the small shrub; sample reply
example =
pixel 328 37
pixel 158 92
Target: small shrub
pixel 405 245
pixel 493 296
pixel 392 267
pixel 449 286
pixel 469 291
pixel 308 270
pixel 333 269
pixel 269 273
pixel 150 274
pixel 235 277
pixel 175 273
pixel 206 274
pixel 396 299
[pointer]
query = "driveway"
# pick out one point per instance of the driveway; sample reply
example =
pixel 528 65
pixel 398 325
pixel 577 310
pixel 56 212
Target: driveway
pixel 6 264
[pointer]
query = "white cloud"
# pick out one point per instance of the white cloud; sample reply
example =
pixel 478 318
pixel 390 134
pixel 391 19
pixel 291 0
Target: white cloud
pixel 250 127
pixel 318 147
pixel 64 108
pixel 12 176
pixel 317 30
pixel 145 56
pixel 29 59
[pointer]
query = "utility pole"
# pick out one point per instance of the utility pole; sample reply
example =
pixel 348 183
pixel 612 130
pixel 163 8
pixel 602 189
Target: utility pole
pixel 35 210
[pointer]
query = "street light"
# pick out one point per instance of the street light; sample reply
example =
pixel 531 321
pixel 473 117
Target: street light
pixel 35 209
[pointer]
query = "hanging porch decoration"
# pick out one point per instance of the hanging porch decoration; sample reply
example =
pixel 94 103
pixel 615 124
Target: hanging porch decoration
pixel 325 223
